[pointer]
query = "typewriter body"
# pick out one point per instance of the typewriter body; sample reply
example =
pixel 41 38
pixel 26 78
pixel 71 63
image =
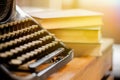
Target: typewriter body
pixel 27 51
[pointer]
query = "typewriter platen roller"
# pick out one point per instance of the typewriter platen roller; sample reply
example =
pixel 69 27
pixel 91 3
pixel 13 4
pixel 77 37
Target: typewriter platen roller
pixel 27 51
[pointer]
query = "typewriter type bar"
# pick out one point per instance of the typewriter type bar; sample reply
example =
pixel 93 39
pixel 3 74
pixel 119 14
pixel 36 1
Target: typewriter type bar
pixel 27 51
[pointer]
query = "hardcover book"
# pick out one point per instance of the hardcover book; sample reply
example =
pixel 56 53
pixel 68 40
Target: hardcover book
pixel 68 18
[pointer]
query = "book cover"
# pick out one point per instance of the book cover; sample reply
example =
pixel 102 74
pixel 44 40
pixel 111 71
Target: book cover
pixel 68 18
pixel 80 35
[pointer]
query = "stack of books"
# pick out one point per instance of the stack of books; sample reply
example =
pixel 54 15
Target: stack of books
pixel 79 29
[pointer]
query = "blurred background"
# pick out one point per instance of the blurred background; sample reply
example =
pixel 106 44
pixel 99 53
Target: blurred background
pixel 111 18
pixel 110 8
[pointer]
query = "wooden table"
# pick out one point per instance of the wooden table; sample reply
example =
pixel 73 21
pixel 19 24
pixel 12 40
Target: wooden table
pixel 87 68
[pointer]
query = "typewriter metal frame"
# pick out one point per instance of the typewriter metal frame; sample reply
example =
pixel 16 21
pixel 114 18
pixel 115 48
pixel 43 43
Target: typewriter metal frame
pixel 15 13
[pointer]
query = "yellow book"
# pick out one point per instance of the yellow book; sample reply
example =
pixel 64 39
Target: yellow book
pixel 89 49
pixel 68 18
pixel 80 35
pixel 85 49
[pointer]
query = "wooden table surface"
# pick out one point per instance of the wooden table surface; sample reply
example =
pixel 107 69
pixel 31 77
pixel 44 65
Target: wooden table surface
pixel 87 68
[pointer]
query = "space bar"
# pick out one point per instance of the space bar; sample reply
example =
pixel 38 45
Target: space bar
pixel 47 57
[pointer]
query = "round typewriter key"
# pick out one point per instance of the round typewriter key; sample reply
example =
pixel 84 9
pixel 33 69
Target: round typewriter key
pixel 15 22
pixel 37 51
pixel 43 31
pixel 34 53
pixel 40 50
pixel 15 25
pixel 8 44
pixel 36 27
pixel 50 45
pixel 3 38
pixel 27 46
pixel 20 58
pixel 34 44
pixel 19 24
pixel 39 33
pixel 14 43
pixel 39 42
pixel 13 51
pixel 25 39
pixel 55 42
pixel 58 40
pixel 6 30
pixel 30 54
pixel 3 55
pixel 47 46
pixel 50 37
pixel 25 56
pixel 8 53
pixel 18 49
pixel 43 48
pixel 0 38
pixel 6 36
pixel 32 36
pixel 11 27
pixel 19 41
pixel 12 35
pixel 47 37
pixel 21 32
pixel 23 47
pixel 43 39
pixel 11 23
pixel 15 62
pixel 1 46
pixel 4 46
pixel 2 26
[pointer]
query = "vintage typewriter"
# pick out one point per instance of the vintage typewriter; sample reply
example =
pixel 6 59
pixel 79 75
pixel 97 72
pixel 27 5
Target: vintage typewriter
pixel 27 51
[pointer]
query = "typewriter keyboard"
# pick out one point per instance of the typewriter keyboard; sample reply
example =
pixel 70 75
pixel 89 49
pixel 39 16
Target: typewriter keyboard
pixel 23 42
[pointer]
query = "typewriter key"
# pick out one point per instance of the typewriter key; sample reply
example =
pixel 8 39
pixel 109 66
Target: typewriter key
pixel 11 27
pixel 19 50
pixel 6 28
pixel 15 62
pixel 25 56
pixel 3 55
pixel 20 58
pixel 13 51
pixel 8 53
pixel 37 51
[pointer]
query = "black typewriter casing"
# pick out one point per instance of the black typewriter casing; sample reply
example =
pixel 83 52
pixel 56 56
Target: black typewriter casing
pixel 27 51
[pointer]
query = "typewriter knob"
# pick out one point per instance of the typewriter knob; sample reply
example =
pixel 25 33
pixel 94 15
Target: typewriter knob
pixel 7 10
